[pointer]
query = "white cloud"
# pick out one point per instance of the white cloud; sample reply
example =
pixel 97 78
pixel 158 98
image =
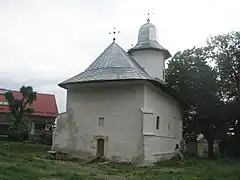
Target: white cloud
pixel 45 42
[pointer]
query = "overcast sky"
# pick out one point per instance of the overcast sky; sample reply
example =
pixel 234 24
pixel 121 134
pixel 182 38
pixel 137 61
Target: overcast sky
pixel 43 42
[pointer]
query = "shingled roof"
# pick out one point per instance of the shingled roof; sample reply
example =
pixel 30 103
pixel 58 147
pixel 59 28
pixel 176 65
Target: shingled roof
pixel 116 64
pixel 113 64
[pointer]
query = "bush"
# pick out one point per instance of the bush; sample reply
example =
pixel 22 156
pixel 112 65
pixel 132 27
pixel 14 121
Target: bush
pixel 35 139
pixel 15 136
pixel 3 138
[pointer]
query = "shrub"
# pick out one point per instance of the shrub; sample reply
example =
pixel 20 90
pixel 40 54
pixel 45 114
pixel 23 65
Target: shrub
pixel 16 136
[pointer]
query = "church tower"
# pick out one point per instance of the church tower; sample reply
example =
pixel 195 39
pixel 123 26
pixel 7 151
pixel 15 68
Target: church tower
pixel 149 53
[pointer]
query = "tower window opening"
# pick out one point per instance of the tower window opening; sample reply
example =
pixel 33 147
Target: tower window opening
pixel 157 122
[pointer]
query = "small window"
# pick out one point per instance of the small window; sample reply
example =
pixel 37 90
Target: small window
pixel 157 122
pixel 1 103
pixel 5 103
pixel 40 126
pixel 101 121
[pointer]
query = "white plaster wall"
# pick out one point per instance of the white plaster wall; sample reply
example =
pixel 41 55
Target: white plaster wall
pixel 153 62
pixel 158 148
pixel 119 105
pixel 60 134
pixel 148 122
pixel 161 144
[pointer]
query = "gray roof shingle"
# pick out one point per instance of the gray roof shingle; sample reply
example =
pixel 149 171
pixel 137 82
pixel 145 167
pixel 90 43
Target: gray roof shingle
pixel 113 64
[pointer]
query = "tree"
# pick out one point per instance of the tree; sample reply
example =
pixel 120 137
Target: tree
pixel 224 50
pixel 20 110
pixel 195 81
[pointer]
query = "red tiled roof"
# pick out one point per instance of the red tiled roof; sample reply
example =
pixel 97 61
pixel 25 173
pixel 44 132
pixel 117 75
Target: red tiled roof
pixel 45 105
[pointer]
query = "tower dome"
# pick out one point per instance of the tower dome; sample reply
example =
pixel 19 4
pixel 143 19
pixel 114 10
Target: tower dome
pixel 149 53
pixel 147 39
pixel 147 32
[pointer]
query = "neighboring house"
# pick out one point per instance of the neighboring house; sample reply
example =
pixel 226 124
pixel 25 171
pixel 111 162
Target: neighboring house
pixel 121 107
pixel 45 111
pixel 200 147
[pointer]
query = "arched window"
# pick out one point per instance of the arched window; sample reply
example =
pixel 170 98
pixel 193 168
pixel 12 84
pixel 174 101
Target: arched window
pixel 157 122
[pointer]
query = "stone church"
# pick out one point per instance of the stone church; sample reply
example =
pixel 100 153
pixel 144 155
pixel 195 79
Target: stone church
pixel 120 107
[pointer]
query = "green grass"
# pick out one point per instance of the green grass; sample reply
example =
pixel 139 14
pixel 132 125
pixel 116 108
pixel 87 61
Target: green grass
pixel 25 162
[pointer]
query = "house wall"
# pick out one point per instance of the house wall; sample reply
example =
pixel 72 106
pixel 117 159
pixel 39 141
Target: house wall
pixel 118 103
pixel 159 143
pixel 39 122
pixel 34 119
pixel 152 61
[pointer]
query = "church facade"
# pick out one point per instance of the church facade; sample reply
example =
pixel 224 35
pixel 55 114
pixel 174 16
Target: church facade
pixel 120 107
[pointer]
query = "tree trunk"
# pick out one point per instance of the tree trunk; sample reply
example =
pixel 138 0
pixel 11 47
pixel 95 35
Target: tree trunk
pixel 210 142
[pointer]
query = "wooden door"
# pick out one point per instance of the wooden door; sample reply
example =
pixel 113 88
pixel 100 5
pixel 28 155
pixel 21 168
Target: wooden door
pixel 100 147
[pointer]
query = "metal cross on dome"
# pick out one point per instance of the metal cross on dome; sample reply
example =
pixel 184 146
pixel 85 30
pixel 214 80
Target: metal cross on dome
pixel 148 16
pixel 114 32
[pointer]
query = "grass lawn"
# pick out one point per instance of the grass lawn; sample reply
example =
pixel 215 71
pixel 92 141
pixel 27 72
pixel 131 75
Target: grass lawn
pixel 24 162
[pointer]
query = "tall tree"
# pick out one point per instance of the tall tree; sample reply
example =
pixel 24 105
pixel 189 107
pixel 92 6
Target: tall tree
pixel 224 50
pixel 20 110
pixel 190 75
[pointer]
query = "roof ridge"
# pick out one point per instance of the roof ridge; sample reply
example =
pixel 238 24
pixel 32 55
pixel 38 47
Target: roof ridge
pixel 105 51
pixel 104 68
pixel 110 48
pixel 126 55
pixel 133 60
pixel 114 63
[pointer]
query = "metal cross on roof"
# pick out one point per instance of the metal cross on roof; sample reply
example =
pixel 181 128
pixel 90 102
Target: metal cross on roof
pixel 114 33
pixel 148 16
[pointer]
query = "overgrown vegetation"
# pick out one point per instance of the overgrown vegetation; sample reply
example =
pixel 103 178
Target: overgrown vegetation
pixel 24 161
